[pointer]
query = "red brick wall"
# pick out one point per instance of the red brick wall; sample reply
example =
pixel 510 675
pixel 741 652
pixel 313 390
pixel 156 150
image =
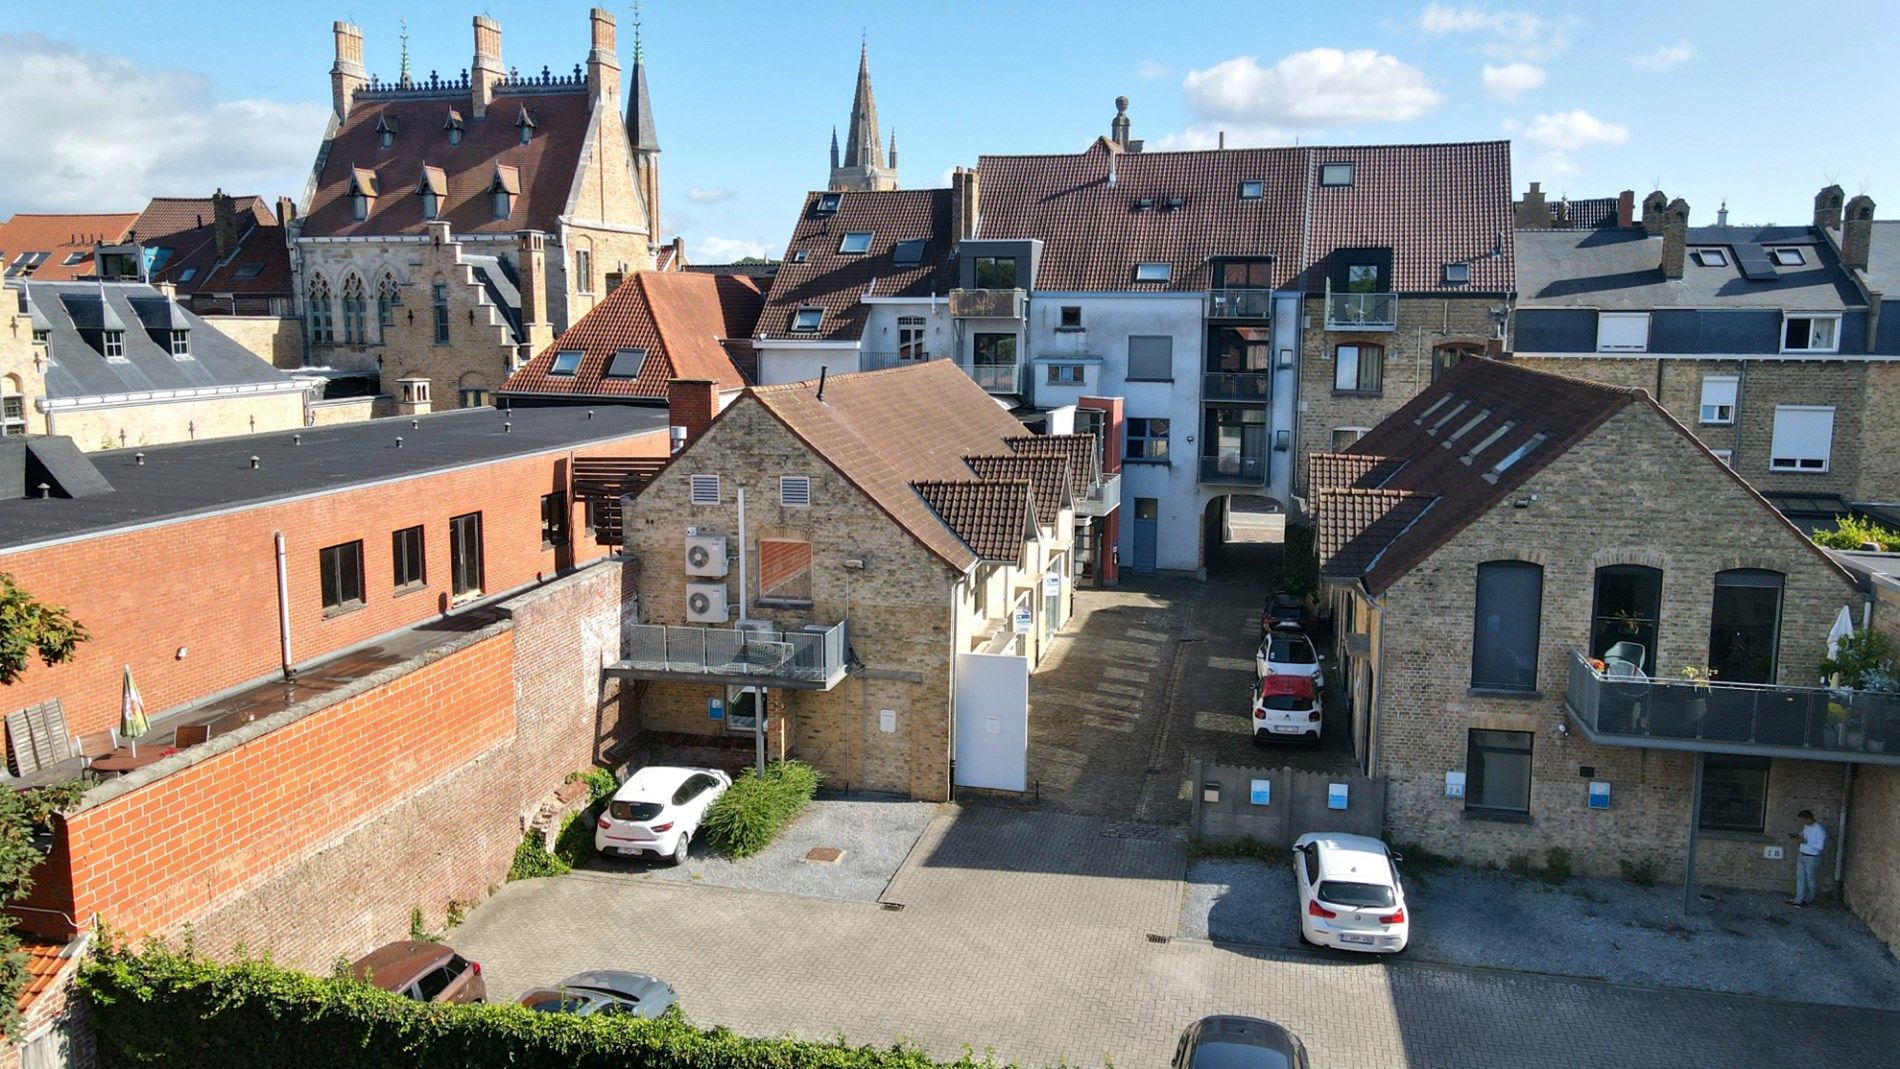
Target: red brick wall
pixel 209 585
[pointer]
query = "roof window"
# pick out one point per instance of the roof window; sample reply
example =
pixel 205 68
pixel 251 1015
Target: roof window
pixel 1787 257
pixel 525 123
pixel 244 270
pixel 1435 406
pixel 1174 203
pixel 1711 257
pixel 1447 417
pixel 454 125
pixel 855 241
pixel 828 203
pixel 1457 273
pixel 74 257
pixel 566 362
pixel 1490 439
pixel 1335 174
pixel 1144 204
pixel 1252 190
pixel 189 273
pixel 806 320
pixel 626 364
pixel 908 252
pixel 1516 455
pixel 801 256
pixel 1465 427
pixel 1154 272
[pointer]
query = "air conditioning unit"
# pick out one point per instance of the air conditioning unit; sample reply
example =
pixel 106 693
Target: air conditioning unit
pixel 706 555
pixel 706 603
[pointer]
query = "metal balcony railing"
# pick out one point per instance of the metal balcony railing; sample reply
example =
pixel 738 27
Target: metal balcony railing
pixel 869 360
pixel 996 378
pixel 1234 468
pixel 1239 303
pixel 1247 386
pixel 797 660
pixel 986 304
pixel 1362 311
pixel 1718 717
pixel 1104 498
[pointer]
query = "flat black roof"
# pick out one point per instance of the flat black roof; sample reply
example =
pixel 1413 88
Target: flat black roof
pixel 189 478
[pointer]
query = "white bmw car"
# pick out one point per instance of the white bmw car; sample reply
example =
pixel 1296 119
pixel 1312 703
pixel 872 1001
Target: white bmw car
pixel 656 812
pixel 1350 896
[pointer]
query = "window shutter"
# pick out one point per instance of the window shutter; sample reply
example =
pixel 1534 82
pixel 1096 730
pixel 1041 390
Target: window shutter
pixel 794 491
pixel 1718 398
pixel 1622 332
pixel 1150 357
pixel 1804 437
pixel 705 489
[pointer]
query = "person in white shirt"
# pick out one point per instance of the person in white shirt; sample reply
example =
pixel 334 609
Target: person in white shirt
pixel 1807 862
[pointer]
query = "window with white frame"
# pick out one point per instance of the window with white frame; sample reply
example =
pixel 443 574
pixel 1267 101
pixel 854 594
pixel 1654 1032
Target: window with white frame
pixel 113 344
pixel 911 344
pixel 1622 332
pixel 1804 438
pixel 1718 398
pixel 855 241
pixel 1152 272
pixel 794 491
pixel 1787 257
pixel 181 344
pixel 1711 257
pixel 705 489
pixel 1726 456
pixel 1810 334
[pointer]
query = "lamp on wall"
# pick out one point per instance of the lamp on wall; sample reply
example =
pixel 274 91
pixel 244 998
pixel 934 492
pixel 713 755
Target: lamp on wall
pixel 1286 358
pixel 1282 441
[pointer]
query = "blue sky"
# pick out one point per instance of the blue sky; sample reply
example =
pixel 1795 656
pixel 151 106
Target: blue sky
pixel 1760 104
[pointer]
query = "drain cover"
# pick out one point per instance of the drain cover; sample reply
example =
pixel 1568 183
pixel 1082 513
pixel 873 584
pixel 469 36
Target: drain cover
pixel 1153 938
pixel 823 855
pixel 892 907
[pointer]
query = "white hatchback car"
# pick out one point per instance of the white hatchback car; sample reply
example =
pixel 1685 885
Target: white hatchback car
pixel 1350 896
pixel 656 812
pixel 1286 651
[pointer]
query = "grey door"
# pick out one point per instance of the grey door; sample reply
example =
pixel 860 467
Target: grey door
pixel 1147 528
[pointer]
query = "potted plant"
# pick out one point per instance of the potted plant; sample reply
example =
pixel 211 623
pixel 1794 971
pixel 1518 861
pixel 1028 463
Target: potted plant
pixel 1862 664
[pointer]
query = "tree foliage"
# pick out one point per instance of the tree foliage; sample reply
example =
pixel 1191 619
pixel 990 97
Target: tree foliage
pixel 1862 653
pixel 28 626
pixel 1853 532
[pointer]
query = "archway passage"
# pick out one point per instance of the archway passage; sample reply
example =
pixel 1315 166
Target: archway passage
pixel 1242 536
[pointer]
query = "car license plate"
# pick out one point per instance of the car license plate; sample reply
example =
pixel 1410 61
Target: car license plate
pixel 1351 937
pixel 1287 729
pixel 630 851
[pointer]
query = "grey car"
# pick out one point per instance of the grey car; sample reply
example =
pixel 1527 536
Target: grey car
pixel 1228 1042
pixel 605 991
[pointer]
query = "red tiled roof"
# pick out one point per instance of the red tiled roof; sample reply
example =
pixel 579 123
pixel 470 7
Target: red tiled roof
pixel 679 318
pixel 547 164
pixel 992 518
pixel 1356 525
pixel 260 246
pixel 1335 471
pixel 1430 204
pixel 59 236
pixel 188 227
pixel 1047 476
pixel 166 216
pixel 835 281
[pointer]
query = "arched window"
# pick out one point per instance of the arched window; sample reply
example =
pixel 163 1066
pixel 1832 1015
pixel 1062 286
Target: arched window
pixel 387 300
pixel 355 309
pixel 317 313
pixel 1745 625
pixel 1628 608
pixel 12 406
pixel 1505 625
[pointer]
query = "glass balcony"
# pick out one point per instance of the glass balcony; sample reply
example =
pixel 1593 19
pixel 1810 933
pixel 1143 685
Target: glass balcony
pixel 869 360
pixel 1104 498
pixel 1362 311
pixel 1247 468
pixel 996 378
pixel 1769 720
pixel 1254 387
pixel 1239 303
pixel 813 659
pixel 986 304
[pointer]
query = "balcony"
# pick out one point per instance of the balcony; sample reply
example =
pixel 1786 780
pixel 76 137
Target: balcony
pixel 1362 311
pixel 1243 468
pixel 813 659
pixel 1247 387
pixel 1104 497
pixel 986 304
pixel 996 378
pixel 1810 723
pixel 878 361
pixel 1239 303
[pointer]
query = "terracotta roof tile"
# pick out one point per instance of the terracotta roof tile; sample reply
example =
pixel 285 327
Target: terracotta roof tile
pixel 1430 204
pixel 1083 453
pixel 165 216
pixel 1338 471
pixel 59 237
pixel 990 517
pixel 835 281
pixel 1356 526
pixel 47 964
pixel 679 318
pixel 1047 476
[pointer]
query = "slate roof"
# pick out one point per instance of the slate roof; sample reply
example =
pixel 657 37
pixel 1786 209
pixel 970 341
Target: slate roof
pixel 78 368
pixel 1431 204
pixel 1620 268
pixel 887 431
pixel 834 281
pixel 546 165
pixel 992 518
pixel 680 318
pixel 1047 476
pixel 1883 257
pixel 60 236
pixel 188 478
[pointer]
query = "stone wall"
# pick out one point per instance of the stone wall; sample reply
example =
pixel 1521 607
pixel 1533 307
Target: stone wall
pixel 276 340
pixel 1873 825
pixel 131 426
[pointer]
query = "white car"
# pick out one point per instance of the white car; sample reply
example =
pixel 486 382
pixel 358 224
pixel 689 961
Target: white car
pixel 1285 707
pixel 1350 896
pixel 1286 651
pixel 656 812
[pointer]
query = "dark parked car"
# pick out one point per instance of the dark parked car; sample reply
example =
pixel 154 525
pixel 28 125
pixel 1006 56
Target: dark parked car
pixel 426 972
pixel 1284 608
pixel 606 991
pixel 1226 1042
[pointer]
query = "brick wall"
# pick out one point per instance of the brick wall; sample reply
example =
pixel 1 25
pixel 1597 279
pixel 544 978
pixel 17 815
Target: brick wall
pixel 209 585
pixel 276 340
pixel 1873 825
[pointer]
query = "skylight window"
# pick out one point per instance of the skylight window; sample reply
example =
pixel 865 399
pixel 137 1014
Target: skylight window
pixel 1335 174
pixel 187 274
pixel 828 203
pixel 1153 272
pixel 1447 417
pixel 801 256
pixel 1490 439
pixel 1788 257
pixel 626 364
pixel 566 362
pixel 1435 406
pixel 74 257
pixel 1252 190
pixel 246 270
pixel 1457 273
pixel 1467 425
pixel 1711 257
pixel 1516 455
pixel 855 241
pixel 806 320
pixel 908 252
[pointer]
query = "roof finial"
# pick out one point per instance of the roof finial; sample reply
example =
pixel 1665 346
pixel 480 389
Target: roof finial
pixel 639 52
pixel 403 74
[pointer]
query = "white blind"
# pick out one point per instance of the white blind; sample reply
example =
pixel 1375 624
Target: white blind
pixel 1718 398
pixel 1622 332
pixel 1804 437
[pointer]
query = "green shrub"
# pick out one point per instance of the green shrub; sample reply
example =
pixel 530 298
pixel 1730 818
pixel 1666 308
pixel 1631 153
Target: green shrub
pixel 1852 532
pixel 575 843
pixel 1640 873
pixel 417 928
pixel 164 1007
pixel 601 784
pixel 1299 561
pixel 532 860
pixel 755 807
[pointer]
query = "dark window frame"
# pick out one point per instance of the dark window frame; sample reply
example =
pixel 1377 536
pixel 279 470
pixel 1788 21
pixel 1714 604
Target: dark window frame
pixel 1488 651
pixel 1480 742
pixel 1141 445
pixel 1740 782
pixel 1607 629
pixel 409 563
pixel 1365 357
pixel 993 272
pixel 554 520
pixel 465 555
pixel 340 570
pixel 1726 641
pixel 1329 171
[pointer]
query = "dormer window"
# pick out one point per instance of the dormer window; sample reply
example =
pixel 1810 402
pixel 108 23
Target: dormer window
pixel 433 187
pixel 112 344
pixel 806 320
pixel 362 192
pixel 453 124
pixel 430 203
pixel 1335 174
pixel 855 241
pixel 828 203
pixel 1252 190
pixel 503 190
pixel 386 129
pixel 181 344
pixel 524 122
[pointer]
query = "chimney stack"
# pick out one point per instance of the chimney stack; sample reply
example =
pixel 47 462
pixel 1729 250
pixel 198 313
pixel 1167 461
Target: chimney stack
pixel 346 74
pixel 532 264
pixel 1533 212
pixel 486 69
pixel 224 222
pixel 286 211
pixel 1675 237
pixel 963 219
pixel 691 405
pixel 1118 127
pixel 1626 209
pixel 1827 208
pixel 1857 232
pixel 603 60
pixel 1653 207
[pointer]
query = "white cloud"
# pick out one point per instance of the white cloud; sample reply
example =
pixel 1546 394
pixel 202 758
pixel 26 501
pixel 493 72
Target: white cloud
pixel 1510 34
pixel 1309 90
pixel 1665 57
pixel 1508 81
pixel 107 134
pixel 715 195
pixel 726 250
pixel 1567 131
pixel 1148 70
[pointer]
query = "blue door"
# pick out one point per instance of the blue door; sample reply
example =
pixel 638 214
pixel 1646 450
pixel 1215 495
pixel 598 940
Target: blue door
pixel 1147 524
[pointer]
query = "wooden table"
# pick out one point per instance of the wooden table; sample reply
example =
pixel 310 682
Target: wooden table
pixel 125 759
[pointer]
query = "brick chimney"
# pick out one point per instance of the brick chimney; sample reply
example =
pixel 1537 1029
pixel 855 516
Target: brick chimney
pixel 346 74
pixel 1533 212
pixel 531 263
pixel 486 69
pixel 691 405
pixel 1675 237
pixel 603 61
pixel 1827 208
pixel 1653 206
pixel 224 222
pixel 286 211
pixel 1857 232
pixel 1626 209
pixel 963 202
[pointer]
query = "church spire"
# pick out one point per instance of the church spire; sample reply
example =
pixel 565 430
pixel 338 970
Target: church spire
pixel 639 101
pixel 863 164
pixel 893 148
pixel 834 148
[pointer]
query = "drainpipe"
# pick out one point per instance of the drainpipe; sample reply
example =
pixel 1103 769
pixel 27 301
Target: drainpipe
pixel 283 604
pixel 1840 835
pixel 1378 683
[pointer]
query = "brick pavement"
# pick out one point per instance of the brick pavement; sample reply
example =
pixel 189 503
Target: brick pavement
pixel 1026 933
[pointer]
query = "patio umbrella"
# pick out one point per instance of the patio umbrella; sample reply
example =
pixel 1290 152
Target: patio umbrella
pixel 132 721
pixel 1843 627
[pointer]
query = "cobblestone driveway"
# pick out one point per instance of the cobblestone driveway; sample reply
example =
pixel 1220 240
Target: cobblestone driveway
pixel 1028 934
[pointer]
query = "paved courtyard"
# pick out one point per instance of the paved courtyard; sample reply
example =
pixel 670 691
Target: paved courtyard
pixel 1035 935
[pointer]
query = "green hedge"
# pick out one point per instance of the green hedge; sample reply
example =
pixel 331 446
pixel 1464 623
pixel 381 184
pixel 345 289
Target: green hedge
pixel 162 1007
pixel 755 807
